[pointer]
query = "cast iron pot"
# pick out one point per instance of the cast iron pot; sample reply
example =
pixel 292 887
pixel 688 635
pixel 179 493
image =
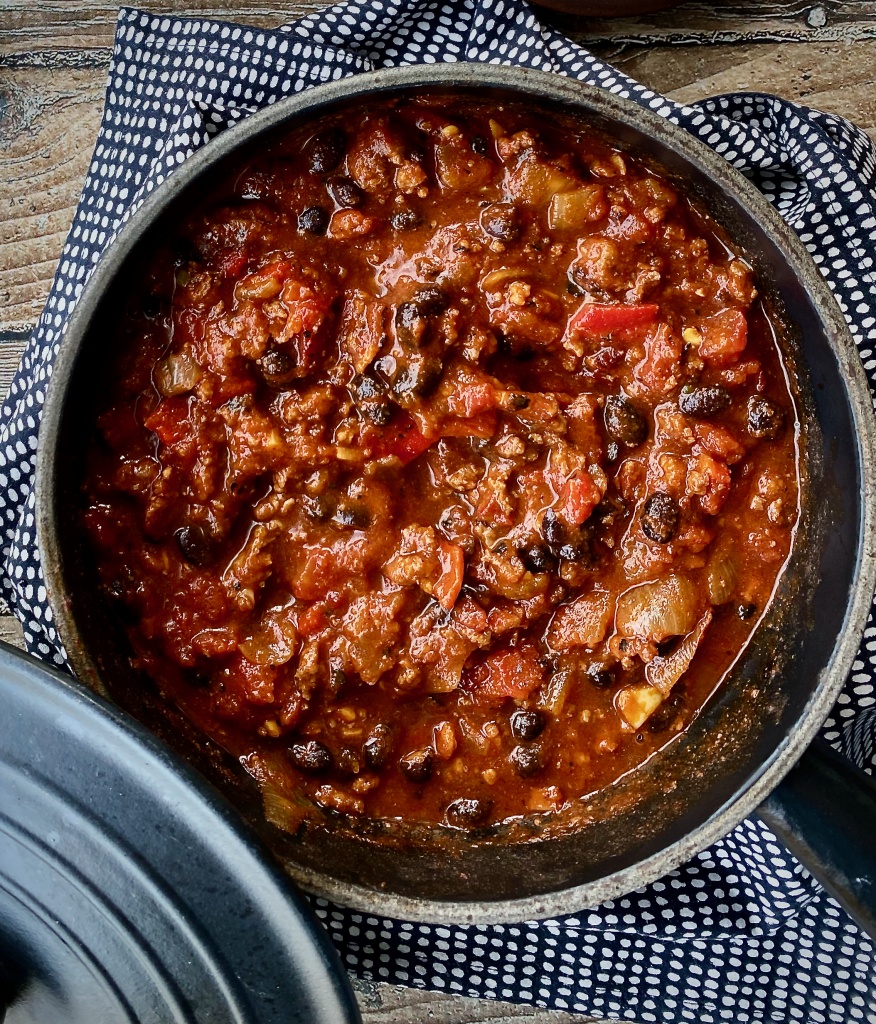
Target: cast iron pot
pixel 760 721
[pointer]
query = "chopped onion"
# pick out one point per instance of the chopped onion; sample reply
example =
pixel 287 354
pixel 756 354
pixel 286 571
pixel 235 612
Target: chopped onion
pixel 177 374
pixel 496 279
pixel 664 673
pixel 722 575
pixel 637 703
pixel 576 209
pixel 656 611
pixel 555 691
pixel 273 643
pixel 282 812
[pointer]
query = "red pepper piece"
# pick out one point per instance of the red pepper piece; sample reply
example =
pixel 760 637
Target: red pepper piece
pixel 513 672
pixel 452 559
pixel 579 498
pixel 605 318
pixel 170 420
pixel 724 337
pixel 403 439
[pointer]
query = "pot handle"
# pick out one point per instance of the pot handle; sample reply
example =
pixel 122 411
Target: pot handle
pixel 824 811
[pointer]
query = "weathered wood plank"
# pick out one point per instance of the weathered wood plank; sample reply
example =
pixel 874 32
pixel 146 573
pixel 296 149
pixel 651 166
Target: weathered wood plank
pixel 48 124
pixel 838 78
pixel 11 346
pixel 733 22
pixel 10 631
pixel 27 25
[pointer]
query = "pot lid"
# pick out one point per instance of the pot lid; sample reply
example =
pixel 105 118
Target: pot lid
pixel 129 889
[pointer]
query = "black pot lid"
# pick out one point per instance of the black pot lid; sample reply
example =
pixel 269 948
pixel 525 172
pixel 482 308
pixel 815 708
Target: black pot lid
pixel 129 889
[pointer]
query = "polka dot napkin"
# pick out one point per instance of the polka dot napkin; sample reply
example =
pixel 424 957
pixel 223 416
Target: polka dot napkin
pixel 742 933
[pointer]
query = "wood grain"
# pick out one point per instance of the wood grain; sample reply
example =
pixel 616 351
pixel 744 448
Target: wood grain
pixel 26 25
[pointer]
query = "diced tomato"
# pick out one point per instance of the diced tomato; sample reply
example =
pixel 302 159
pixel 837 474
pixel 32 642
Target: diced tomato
pixel 452 559
pixel 316 577
pixel 255 681
pixel 709 479
pixel 232 264
pixel 725 336
pixel 578 498
pixel 170 420
pixel 512 672
pixel 471 399
pixel 305 308
pixel 482 425
pixel 490 510
pixel 469 614
pixel 402 439
pixel 719 441
pixel 663 348
pixel 312 620
pixel 602 318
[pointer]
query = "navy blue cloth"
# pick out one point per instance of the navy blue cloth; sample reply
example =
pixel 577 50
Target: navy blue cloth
pixel 741 933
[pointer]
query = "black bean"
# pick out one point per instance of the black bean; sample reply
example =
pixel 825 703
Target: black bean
pixel 660 517
pixel 417 765
pixel 553 530
pixel 352 516
pixel 431 300
pixel 277 366
pixel 624 422
pixel 537 558
pixel 348 762
pixel 419 377
pixel 666 713
pixel 599 675
pixel 467 811
pixel 314 220
pixel 311 756
pixel 324 151
pixel 377 747
pixel 195 544
pixel 580 550
pixel 479 145
pixel 405 220
pixel 502 221
pixel 411 327
pixel 765 418
pixel 526 760
pixel 527 724
pixel 745 611
pixel 703 402
pixel 378 411
pixel 367 386
pixel 345 192
pixel 337 681
pixel 316 507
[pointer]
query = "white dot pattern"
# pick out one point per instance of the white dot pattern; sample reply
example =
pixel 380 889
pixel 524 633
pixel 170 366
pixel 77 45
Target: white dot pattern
pixel 742 932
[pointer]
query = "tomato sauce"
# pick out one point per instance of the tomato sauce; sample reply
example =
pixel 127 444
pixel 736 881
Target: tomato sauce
pixel 447 463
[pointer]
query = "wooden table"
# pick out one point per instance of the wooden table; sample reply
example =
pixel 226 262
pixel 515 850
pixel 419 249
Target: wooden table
pixel 53 61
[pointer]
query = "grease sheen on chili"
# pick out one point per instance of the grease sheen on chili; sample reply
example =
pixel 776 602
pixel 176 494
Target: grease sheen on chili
pixel 448 462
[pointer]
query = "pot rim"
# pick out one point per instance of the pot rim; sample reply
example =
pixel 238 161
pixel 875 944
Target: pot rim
pixel 538 86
